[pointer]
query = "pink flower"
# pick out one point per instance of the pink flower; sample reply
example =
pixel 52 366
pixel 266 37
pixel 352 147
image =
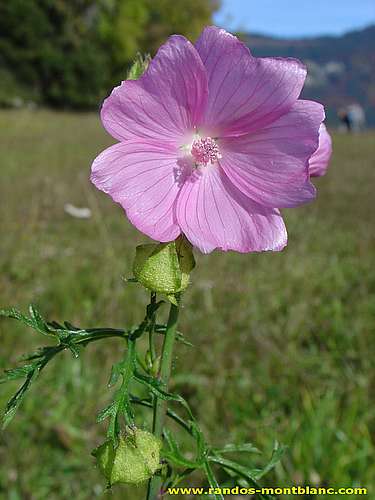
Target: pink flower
pixel 213 141
pixel 318 163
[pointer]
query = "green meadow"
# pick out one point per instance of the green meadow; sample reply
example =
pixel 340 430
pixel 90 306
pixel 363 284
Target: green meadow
pixel 283 343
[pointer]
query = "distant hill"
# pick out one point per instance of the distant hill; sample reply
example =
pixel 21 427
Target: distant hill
pixel 341 69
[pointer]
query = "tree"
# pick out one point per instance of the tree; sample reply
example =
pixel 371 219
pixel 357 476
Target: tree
pixel 129 26
pixel 67 53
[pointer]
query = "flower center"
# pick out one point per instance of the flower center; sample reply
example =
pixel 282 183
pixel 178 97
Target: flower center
pixel 205 150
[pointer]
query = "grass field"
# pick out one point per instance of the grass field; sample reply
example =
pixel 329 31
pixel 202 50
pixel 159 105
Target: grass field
pixel 283 343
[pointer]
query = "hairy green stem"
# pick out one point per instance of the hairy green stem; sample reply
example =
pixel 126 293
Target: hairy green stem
pixel 160 406
pixel 151 329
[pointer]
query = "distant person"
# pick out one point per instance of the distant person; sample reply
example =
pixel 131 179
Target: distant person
pixel 345 119
pixel 357 117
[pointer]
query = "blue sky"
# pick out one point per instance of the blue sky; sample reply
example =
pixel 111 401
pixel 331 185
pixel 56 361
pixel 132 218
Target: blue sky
pixel 296 17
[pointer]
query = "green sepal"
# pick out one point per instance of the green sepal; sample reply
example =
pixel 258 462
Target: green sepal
pixel 164 267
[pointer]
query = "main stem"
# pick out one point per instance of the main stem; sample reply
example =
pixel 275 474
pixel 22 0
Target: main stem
pixel 161 406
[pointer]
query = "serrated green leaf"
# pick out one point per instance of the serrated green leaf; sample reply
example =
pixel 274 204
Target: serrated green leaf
pixel 106 412
pixel 16 400
pixel 68 336
pixel 73 349
pixel 35 320
pixel 115 374
pixel 71 327
pixel 16 373
pixel 42 352
pixel 156 388
pixel 13 313
pixel 38 320
pixel 55 325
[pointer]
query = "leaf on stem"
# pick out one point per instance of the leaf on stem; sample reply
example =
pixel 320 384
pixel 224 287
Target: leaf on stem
pixel 212 481
pixel 156 387
pixel 161 329
pixel 67 336
pixel 237 448
pixel 277 452
pixel 34 321
pixel 174 454
pixel 106 412
pixel 16 400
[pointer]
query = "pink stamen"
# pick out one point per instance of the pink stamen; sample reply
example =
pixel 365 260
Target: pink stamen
pixel 205 151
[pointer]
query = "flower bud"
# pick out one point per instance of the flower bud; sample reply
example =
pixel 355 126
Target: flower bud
pixel 133 461
pixel 164 267
pixel 138 67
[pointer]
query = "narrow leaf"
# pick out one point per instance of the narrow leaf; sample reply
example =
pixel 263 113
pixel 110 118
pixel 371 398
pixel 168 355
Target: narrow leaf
pixel 106 412
pixel 237 448
pixel 212 481
pixel 239 470
pixel 115 374
pixel 175 455
pixel 156 388
pixel 277 453
pixel 16 373
pixel 39 322
pixel 16 400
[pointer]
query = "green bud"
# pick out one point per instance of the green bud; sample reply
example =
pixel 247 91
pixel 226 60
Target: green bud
pixel 155 367
pixel 164 267
pixel 139 66
pixel 133 461
pixel 152 365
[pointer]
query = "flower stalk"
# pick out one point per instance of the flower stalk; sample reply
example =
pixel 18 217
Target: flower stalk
pixel 161 406
pixel 151 344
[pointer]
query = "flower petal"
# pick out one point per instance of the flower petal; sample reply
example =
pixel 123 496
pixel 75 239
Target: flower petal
pixel 245 93
pixel 271 166
pixel 144 178
pixel 165 102
pixel 318 163
pixel 215 214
